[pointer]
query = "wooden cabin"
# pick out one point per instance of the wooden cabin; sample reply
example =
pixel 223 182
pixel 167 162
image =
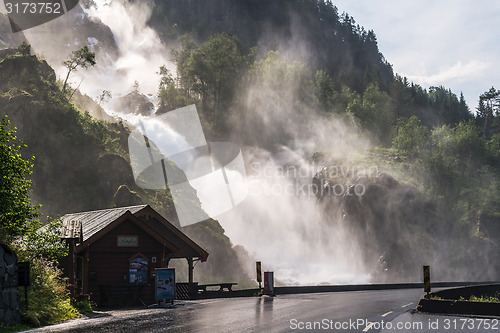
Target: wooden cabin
pixel 114 253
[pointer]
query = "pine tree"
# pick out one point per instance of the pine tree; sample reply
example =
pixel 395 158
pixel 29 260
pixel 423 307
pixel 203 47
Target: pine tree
pixel 489 105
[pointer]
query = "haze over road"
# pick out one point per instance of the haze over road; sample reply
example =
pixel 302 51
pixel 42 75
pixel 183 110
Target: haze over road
pixel 283 313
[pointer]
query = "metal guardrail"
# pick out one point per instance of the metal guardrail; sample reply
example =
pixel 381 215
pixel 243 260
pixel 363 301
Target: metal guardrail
pixel 456 301
pixel 320 289
pixel 361 287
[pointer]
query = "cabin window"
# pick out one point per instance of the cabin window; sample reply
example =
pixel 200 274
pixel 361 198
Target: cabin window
pixel 138 270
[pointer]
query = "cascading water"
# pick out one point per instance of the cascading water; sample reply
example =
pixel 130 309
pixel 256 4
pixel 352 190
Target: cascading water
pixel 279 222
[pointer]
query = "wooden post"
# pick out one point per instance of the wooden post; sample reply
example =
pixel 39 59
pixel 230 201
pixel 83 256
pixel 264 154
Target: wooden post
pixel 191 287
pixel 258 265
pixel 72 268
pixel 86 271
pixel 191 268
pixel 164 262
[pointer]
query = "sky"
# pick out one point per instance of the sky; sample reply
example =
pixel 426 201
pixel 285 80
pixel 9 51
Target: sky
pixel 453 43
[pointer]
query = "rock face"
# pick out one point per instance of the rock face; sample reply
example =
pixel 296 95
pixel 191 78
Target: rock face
pixel 125 197
pixel 376 212
pixel 9 300
pixel 73 30
pixel 114 171
pixel 13 66
pixel 399 229
pixel 134 102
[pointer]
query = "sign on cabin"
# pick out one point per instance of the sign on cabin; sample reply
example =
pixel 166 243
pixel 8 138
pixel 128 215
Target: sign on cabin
pixel 138 270
pixel 127 241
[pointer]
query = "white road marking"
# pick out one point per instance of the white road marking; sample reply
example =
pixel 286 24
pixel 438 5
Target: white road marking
pixel 386 314
pixel 367 328
pixel 404 306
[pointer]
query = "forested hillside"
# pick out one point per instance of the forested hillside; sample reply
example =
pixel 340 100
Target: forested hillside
pixel 278 76
pixel 312 31
pixel 82 163
pixel 259 82
pixel 342 59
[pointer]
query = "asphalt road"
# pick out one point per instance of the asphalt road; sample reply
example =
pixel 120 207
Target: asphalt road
pixel 362 311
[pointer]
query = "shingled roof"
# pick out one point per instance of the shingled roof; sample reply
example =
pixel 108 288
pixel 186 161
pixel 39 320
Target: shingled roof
pixel 90 226
pixel 94 221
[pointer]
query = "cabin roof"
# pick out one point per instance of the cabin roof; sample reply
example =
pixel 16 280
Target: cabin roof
pixel 87 227
pixel 94 221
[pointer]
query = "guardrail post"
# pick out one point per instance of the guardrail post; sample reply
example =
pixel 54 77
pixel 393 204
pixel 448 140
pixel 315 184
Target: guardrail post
pixel 427 279
pixel 259 273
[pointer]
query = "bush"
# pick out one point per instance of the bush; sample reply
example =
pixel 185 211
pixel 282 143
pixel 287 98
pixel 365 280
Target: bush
pixel 48 297
pixel 84 305
pixel 44 241
pixel 411 136
pixel 24 49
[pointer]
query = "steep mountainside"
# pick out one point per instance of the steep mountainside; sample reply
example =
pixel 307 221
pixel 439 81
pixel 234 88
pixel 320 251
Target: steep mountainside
pixel 67 144
pixel 82 163
pixel 279 78
pixel 312 31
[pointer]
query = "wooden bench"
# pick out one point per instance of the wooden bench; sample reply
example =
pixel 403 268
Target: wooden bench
pixel 222 286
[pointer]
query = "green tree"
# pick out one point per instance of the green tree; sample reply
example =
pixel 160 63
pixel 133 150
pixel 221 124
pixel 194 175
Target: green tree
pixel 411 136
pixel 447 106
pixel 494 149
pixel 45 241
pixel 181 58
pixel 461 149
pixel 345 96
pixel 463 110
pixel 24 49
pixel 469 143
pixel 16 210
pixel 293 81
pixel 80 58
pixel 489 104
pixel 400 91
pixel 375 112
pixel 325 90
pixel 171 97
pixel 214 69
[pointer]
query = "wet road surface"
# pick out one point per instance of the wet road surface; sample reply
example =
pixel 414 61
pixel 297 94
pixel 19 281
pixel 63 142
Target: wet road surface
pixel 362 311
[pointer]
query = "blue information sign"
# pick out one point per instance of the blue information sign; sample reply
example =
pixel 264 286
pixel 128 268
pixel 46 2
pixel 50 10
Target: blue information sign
pixel 165 283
